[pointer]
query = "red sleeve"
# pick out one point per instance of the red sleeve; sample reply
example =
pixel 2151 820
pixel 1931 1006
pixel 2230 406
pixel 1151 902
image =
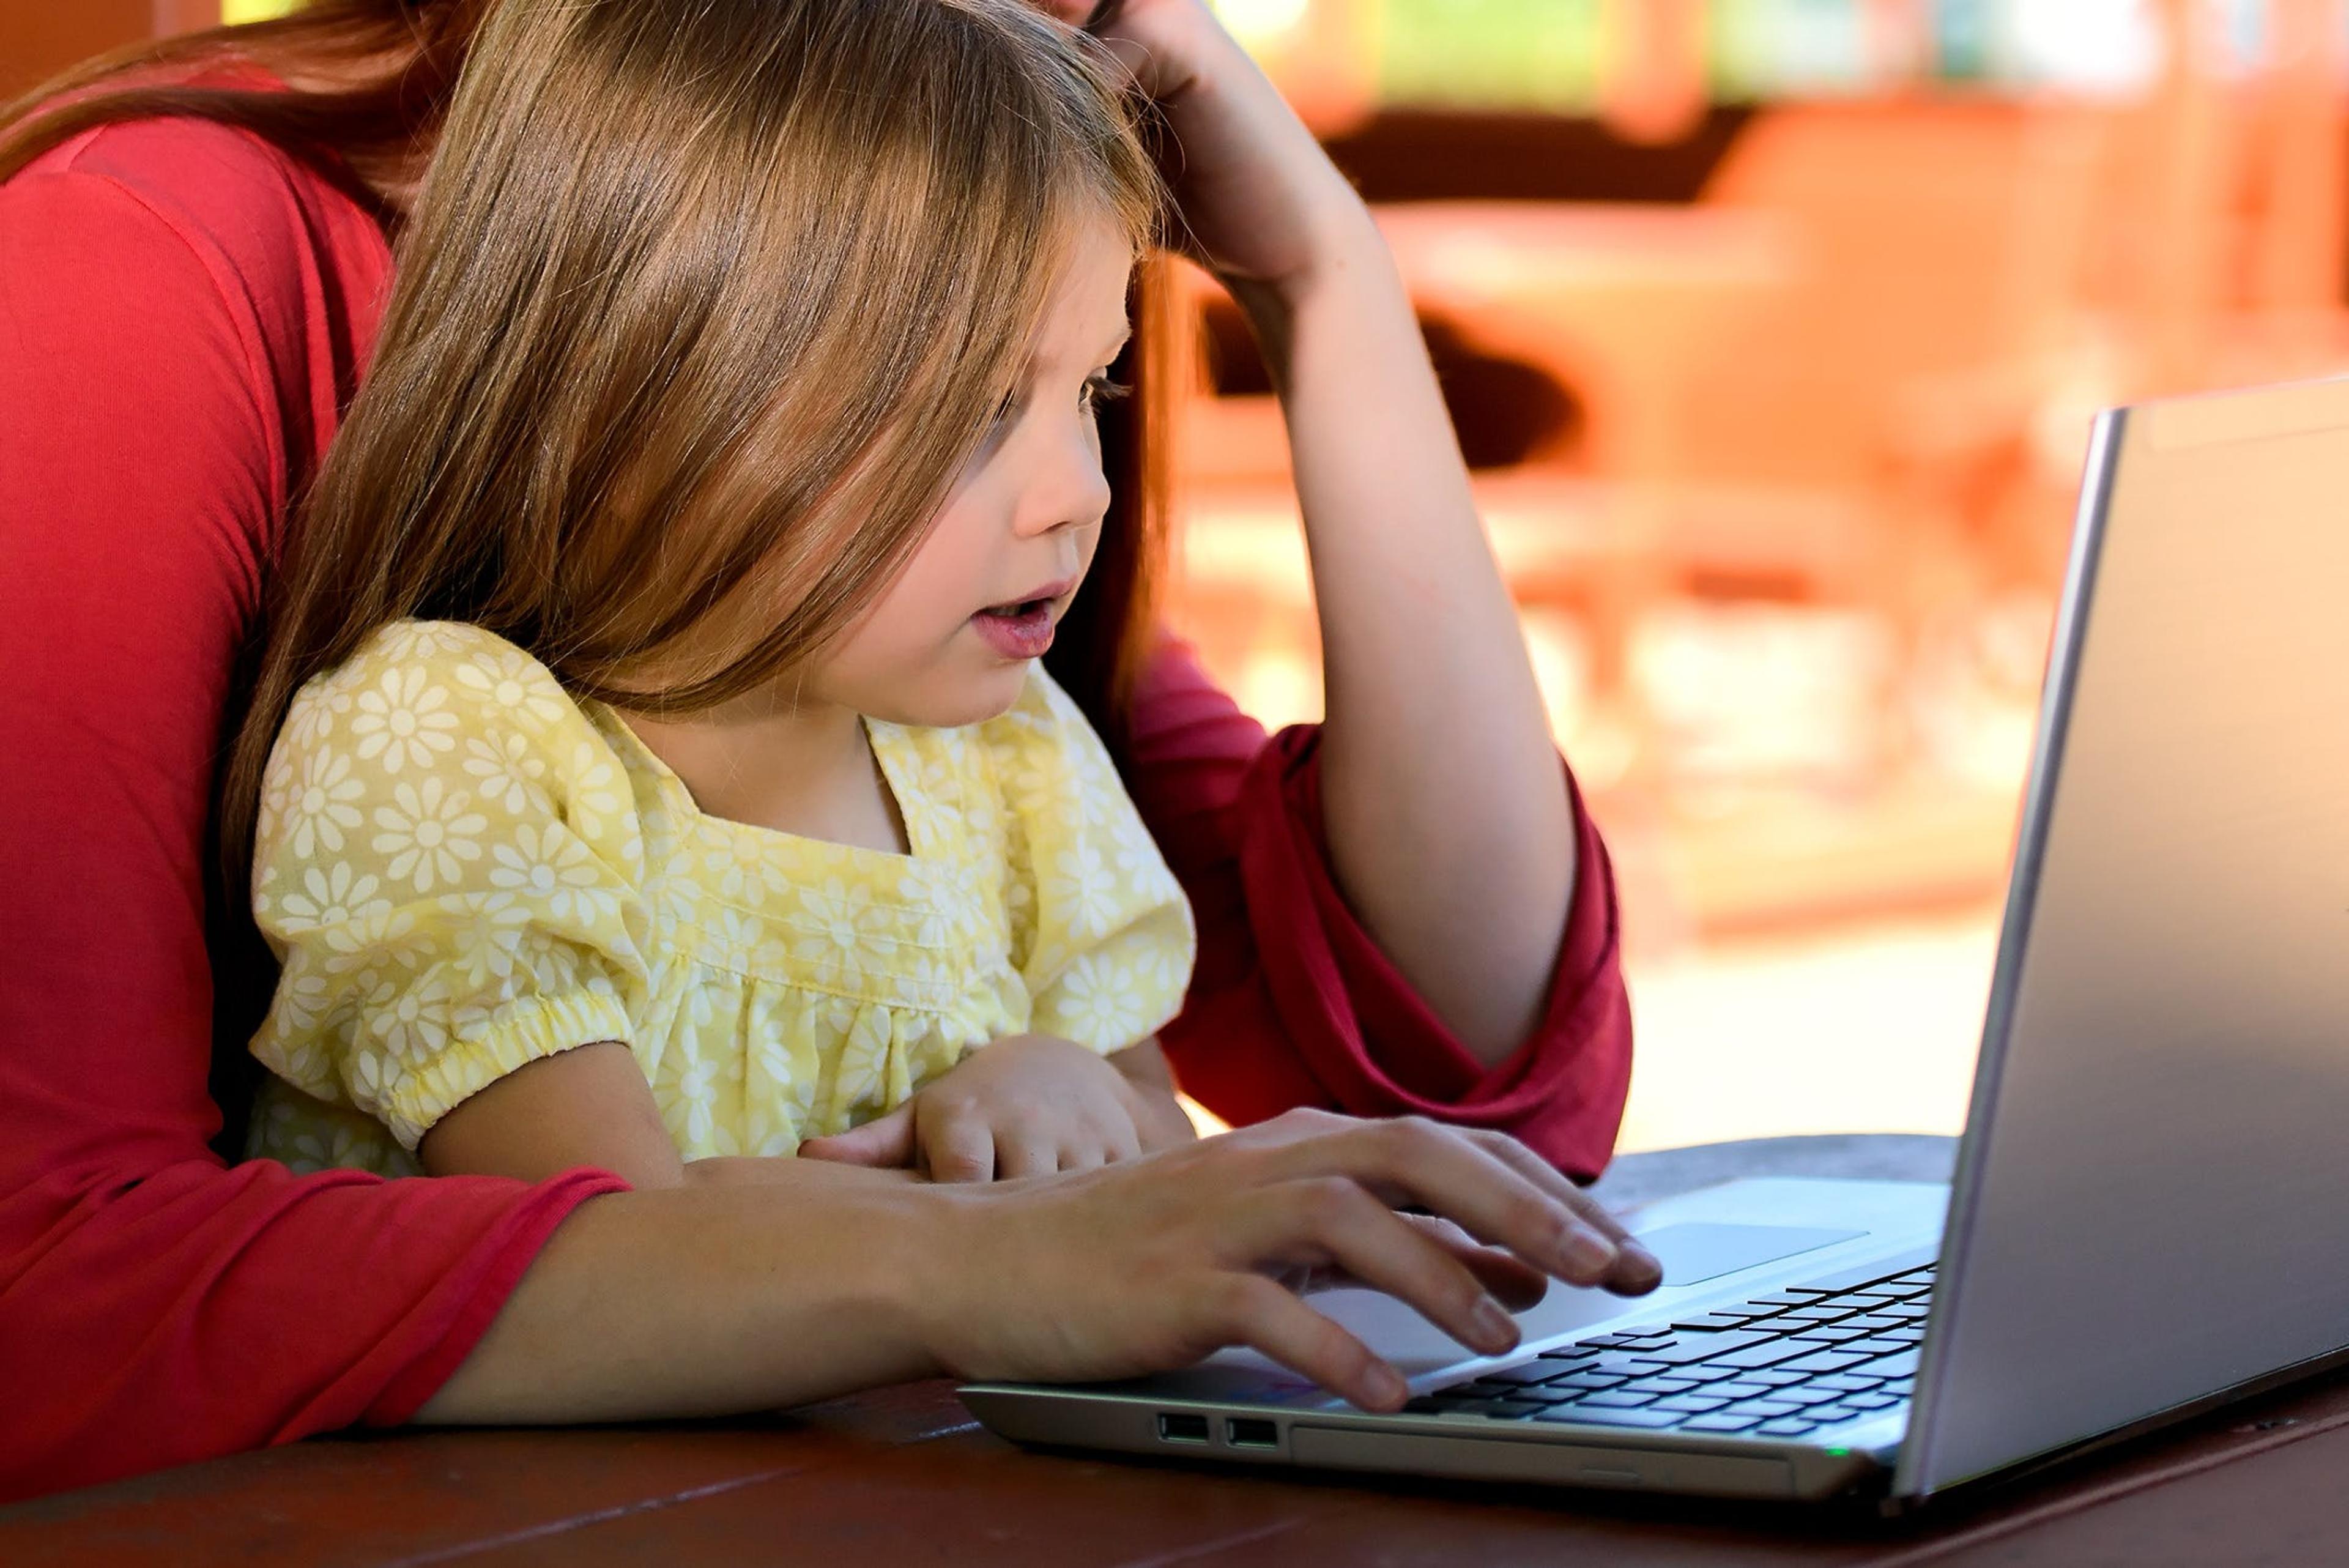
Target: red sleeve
pixel 1294 1003
pixel 154 1306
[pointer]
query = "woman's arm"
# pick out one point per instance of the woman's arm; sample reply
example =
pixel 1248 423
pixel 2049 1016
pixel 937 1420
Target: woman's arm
pixel 833 1278
pixel 1447 817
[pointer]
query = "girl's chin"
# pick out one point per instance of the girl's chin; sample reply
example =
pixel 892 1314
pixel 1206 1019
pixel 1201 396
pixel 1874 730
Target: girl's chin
pixel 958 698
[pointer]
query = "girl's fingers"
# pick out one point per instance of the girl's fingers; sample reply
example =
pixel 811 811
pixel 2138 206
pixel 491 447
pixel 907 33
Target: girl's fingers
pixel 1414 1161
pixel 1333 1219
pixel 1025 1151
pixel 1254 1311
pixel 885 1141
pixel 960 1147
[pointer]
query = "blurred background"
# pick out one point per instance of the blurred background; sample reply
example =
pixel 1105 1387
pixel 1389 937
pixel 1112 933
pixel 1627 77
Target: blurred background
pixel 1772 330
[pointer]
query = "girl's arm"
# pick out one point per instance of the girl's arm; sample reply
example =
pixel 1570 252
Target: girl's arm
pixel 1448 820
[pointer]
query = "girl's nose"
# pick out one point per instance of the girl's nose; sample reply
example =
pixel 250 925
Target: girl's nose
pixel 1067 489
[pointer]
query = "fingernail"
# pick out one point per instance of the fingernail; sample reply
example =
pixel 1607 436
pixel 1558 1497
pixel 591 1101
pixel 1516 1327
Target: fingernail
pixel 1586 1250
pixel 1384 1387
pixel 1494 1329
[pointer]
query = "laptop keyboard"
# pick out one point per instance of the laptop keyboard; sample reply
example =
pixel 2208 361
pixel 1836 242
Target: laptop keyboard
pixel 1780 1366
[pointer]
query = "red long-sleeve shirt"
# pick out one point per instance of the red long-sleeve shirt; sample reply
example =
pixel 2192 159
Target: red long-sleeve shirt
pixel 185 311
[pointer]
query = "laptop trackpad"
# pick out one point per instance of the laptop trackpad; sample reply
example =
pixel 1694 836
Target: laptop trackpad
pixel 1693 1254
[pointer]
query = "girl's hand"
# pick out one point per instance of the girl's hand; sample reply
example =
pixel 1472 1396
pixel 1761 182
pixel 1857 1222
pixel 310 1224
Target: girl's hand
pixel 1260 200
pixel 1029 1105
pixel 1153 1264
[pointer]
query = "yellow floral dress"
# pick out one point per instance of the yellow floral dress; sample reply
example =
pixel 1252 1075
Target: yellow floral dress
pixel 463 870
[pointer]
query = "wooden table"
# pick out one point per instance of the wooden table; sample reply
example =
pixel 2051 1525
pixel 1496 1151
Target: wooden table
pixel 905 1477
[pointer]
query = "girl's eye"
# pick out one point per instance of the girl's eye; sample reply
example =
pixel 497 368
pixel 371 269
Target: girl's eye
pixel 1100 389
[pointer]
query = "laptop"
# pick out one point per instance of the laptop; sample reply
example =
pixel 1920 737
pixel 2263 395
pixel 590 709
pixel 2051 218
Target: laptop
pixel 2149 1213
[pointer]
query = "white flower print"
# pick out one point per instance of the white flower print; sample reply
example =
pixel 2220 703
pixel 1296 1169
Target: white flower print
pixel 403 721
pixel 1084 886
pixel 311 719
pixel 411 1018
pixel 508 767
pixel 697 1089
pixel 430 831
pixel 301 1000
pixel 488 939
pixel 320 796
pixel 832 937
pixel 330 897
pixel 553 870
pixel 512 682
pixel 741 868
pixel 372 938
pixel 597 791
pixel 1098 1000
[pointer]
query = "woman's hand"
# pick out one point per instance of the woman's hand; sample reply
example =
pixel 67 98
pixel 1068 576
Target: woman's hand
pixel 1029 1105
pixel 1259 201
pixel 1146 1266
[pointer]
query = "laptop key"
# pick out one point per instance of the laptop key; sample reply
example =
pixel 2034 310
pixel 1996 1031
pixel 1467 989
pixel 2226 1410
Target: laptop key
pixel 1834 1334
pixel 1872 1401
pixel 1658 1387
pixel 1902 1365
pixel 1591 1382
pixel 1541 1395
pixel 1764 1410
pixel 1741 1389
pixel 1778 1377
pixel 1702 1374
pixel 1570 1352
pixel 1517 1377
pixel 1681 1349
pixel 1806 1393
pixel 1614 1399
pixel 1850 1382
pixel 1725 1422
pixel 1692 1404
pixel 1769 1353
pixel 1824 1361
pixel 1785 1427
pixel 1828 1415
pixel 1711 1322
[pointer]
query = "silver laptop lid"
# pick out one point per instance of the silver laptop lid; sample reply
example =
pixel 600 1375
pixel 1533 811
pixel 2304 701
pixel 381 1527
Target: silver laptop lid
pixel 2153 1200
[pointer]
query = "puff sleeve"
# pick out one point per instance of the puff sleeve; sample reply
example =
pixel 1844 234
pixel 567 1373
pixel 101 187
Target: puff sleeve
pixel 1102 933
pixel 448 865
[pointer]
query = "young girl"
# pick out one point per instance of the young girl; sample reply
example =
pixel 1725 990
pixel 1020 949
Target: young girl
pixel 667 776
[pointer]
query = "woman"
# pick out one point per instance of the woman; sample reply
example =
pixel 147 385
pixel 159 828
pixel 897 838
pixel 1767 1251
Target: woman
pixel 1401 912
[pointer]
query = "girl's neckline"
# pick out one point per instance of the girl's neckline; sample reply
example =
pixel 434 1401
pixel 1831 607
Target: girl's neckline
pixel 895 783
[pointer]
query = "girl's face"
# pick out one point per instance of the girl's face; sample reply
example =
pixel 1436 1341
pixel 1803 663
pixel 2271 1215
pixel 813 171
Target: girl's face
pixel 950 640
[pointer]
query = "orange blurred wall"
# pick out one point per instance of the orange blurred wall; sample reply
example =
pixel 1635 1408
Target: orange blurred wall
pixel 40 38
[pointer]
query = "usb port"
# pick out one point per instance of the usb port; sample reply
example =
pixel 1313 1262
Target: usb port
pixel 1182 1429
pixel 1244 1432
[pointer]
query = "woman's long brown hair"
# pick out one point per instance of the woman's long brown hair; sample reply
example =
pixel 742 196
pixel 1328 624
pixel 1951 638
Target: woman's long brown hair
pixel 701 304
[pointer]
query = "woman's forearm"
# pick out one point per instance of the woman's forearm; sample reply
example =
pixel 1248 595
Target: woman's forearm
pixel 707 1300
pixel 1448 821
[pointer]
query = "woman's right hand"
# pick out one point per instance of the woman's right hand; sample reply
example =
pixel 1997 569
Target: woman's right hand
pixel 1153 1264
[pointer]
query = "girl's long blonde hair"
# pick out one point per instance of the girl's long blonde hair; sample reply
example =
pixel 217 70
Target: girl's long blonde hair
pixel 701 309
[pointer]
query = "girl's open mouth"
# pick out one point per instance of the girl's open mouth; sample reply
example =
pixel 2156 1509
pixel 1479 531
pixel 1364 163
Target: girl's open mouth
pixel 1021 630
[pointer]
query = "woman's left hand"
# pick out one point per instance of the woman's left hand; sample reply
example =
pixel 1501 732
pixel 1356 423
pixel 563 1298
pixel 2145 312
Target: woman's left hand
pixel 1261 201
pixel 1028 1104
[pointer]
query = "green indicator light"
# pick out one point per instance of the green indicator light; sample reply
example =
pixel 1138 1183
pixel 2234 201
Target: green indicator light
pixel 1838 1453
